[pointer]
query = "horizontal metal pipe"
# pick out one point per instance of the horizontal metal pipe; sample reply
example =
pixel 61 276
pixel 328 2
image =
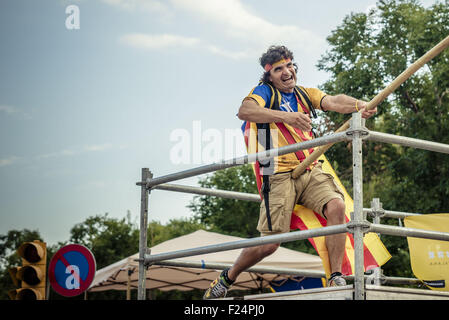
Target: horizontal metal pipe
pixel 276 270
pixel 390 280
pixel 278 238
pixel 251 197
pixel 209 192
pixel 409 232
pixel 393 214
pixel 258 269
pixel 400 280
pixel 408 142
pixel 265 155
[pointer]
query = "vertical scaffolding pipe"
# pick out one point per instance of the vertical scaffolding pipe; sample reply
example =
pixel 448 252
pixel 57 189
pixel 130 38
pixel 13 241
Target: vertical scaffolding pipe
pixel 141 289
pixel 377 211
pixel 356 131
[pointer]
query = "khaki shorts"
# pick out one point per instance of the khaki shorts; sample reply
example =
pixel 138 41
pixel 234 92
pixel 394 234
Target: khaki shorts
pixel 312 189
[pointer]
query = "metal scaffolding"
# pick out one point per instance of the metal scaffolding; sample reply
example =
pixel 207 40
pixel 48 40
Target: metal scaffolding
pixel 358 226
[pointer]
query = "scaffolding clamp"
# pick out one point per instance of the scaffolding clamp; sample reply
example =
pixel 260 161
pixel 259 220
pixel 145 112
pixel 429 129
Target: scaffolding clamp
pixel 376 209
pixel 357 125
pixel 365 225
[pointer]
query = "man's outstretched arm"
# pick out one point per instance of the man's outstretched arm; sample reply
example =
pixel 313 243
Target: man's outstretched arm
pixel 342 103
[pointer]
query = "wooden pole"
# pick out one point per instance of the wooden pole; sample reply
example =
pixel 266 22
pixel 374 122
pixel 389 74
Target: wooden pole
pixel 381 96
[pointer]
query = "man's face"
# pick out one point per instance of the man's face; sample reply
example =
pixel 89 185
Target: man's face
pixel 283 76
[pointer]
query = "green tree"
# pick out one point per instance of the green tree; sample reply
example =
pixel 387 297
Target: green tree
pixel 228 216
pixel 367 51
pixel 109 239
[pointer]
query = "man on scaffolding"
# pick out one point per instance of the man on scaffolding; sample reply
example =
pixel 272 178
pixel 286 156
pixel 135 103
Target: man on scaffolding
pixel 278 112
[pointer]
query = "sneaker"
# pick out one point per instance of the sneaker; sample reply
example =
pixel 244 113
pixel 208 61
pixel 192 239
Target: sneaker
pixel 336 280
pixel 218 288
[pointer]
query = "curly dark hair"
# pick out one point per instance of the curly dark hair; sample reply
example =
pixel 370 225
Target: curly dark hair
pixel 273 55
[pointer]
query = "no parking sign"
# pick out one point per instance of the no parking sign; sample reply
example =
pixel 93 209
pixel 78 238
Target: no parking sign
pixel 72 270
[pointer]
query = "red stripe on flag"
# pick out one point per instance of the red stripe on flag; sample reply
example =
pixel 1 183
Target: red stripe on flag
pixel 306 111
pixel 287 135
pixel 370 262
pixel 303 137
pixel 300 133
pixel 322 221
pixel 246 133
pixel 297 223
pixel 258 178
pixel 346 268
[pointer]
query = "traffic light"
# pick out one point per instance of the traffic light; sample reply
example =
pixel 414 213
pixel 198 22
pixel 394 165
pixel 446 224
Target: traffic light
pixel 32 274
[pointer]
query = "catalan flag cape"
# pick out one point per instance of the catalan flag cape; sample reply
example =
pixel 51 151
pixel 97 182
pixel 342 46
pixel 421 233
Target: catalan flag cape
pixel 375 253
pixel 430 258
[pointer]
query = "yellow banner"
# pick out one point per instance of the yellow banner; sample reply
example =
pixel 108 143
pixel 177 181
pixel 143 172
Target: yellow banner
pixel 430 258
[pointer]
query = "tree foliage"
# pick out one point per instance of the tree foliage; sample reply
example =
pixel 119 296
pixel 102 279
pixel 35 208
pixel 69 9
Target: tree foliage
pixel 233 217
pixel 109 239
pixel 368 51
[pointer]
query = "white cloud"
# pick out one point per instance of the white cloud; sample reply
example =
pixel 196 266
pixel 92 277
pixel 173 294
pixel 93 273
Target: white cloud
pixel 98 147
pixel 147 5
pixel 72 151
pixel 157 41
pixel 233 22
pixel 228 54
pixel 162 41
pixel 8 161
pixel 10 110
pixel 67 152
pixel 238 22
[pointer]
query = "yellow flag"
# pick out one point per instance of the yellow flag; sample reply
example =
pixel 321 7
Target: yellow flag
pixel 430 258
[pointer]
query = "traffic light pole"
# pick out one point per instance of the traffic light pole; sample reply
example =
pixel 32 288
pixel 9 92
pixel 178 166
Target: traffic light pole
pixel 141 288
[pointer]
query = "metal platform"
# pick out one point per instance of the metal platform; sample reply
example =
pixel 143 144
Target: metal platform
pixel 372 292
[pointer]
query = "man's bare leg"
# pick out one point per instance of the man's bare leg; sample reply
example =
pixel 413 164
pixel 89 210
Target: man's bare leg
pixel 335 214
pixel 249 257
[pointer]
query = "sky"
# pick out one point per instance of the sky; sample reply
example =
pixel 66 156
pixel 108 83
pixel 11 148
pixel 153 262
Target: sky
pixel 92 91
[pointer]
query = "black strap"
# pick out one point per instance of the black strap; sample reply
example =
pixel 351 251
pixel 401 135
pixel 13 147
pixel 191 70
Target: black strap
pixel 309 103
pixel 265 178
pixel 266 192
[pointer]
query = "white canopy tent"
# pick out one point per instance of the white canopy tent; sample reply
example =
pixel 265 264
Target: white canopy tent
pixel 123 274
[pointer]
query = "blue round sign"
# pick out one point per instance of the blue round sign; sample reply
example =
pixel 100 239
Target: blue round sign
pixel 72 270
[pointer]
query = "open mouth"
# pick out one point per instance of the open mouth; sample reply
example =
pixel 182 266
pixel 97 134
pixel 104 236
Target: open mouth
pixel 287 79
